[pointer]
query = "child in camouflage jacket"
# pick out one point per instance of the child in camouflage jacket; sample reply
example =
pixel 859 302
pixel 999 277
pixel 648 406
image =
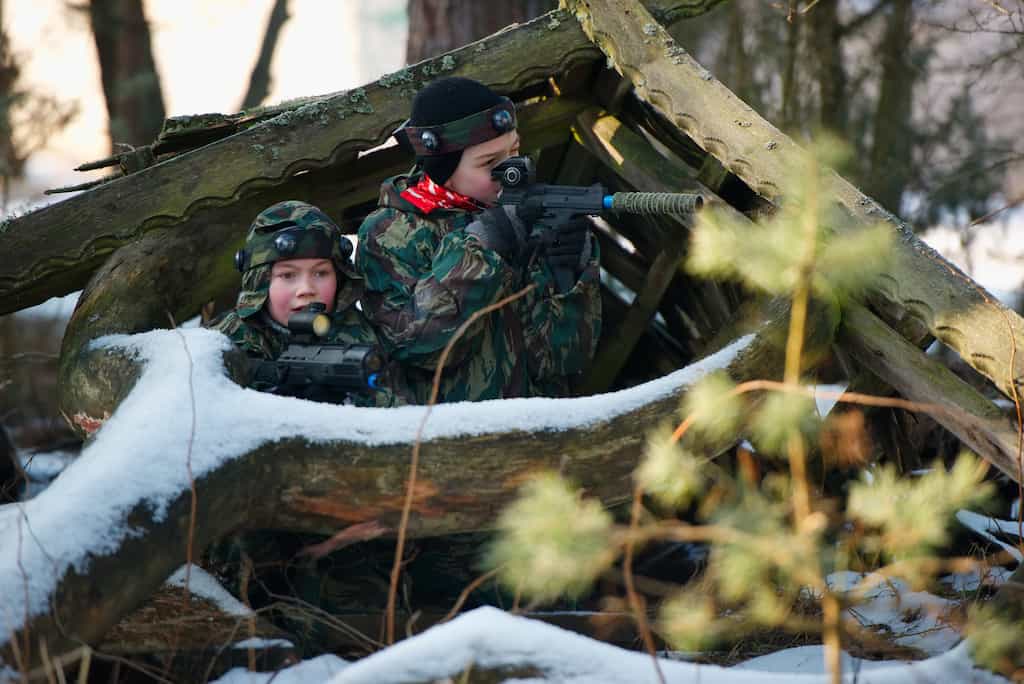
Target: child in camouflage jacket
pixel 295 255
pixel 437 250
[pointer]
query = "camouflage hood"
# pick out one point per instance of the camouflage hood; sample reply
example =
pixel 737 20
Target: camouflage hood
pixel 292 230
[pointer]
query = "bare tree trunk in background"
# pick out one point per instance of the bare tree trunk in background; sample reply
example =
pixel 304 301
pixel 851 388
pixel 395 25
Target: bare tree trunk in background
pixel 131 86
pixel 737 59
pixel 259 81
pixel 10 164
pixel 437 26
pixel 891 131
pixel 826 44
pixel 788 117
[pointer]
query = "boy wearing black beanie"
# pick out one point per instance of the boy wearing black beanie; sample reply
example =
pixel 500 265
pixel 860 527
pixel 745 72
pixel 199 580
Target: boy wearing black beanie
pixel 437 250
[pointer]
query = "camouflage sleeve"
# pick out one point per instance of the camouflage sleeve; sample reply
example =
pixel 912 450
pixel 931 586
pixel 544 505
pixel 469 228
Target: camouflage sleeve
pixel 564 328
pixel 418 291
pixel 245 336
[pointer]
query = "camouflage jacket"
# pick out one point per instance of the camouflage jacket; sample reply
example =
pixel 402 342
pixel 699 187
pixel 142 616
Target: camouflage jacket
pixel 261 337
pixel 424 277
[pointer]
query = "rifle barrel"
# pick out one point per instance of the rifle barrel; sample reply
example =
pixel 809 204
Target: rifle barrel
pixel 654 202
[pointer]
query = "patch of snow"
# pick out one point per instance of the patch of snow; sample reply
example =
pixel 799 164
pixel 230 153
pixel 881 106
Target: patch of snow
pixel 41 467
pixel 142 452
pixel 319 669
pixel 985 526
pixel 994 576
pixel 205 585
pixel 57 308
pixel 915 619
pixel 45 465
pixel 827 396
pixel 810 660
pixel 257 642
pixel 490 638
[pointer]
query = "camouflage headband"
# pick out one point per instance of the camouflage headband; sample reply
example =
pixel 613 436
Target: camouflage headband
pixel 431 141
pixel 293 230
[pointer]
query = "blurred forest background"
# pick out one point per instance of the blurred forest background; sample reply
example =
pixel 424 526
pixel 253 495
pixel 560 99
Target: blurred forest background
pixel 927 92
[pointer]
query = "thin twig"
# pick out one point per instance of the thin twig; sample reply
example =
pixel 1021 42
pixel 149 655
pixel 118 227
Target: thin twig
pixel 194 502
pixel 992 214
pixel 635 603
pixel 470 588
pixel 414 463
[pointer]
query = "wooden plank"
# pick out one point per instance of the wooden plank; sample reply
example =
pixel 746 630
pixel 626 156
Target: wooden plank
pixel 978 422
pixel 52 251
pixel 615 349
pixel 921 294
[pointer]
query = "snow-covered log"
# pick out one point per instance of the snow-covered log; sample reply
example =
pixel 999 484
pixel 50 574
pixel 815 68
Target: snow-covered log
pixel 119 520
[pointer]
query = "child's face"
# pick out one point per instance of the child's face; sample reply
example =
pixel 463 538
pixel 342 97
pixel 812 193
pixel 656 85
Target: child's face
pixel 297 283
pixel 472 176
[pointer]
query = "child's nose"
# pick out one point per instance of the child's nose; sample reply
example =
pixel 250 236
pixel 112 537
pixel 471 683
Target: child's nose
pixel 305 286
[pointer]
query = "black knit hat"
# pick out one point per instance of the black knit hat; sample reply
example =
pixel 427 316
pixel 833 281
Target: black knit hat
pixel 443 101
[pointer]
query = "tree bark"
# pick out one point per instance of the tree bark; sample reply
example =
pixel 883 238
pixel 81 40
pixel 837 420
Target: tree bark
pixel 131 86
pixel 439 26
pixel 259 80
pixel 892 132
pixel 830 74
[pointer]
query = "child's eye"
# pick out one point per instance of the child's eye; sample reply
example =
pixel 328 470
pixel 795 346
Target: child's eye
pixel 287 275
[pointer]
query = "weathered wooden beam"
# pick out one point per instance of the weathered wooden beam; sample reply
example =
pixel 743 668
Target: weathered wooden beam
pixel 978 422
pixel 204 243
pixel 616 348
pixel 922 293
pixel 52 251
pixel 633 159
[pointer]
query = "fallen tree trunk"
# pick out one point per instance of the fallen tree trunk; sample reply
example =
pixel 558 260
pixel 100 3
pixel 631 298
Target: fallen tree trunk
pixel 921 294
pixel 321 469
pixel 52 251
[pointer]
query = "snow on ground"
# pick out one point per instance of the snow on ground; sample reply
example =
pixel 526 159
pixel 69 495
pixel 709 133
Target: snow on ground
pixel 915 619
pixel 142 453
pixel 490 638
pixel 960 582
pixel 319 669
pixel 205 585
pixel 811 660
pixel 987 527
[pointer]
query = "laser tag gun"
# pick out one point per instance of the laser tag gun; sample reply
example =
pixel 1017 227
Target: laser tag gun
pixel 558 204
pixel 313 370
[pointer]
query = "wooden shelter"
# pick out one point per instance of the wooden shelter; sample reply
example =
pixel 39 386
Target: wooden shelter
pixel 604 94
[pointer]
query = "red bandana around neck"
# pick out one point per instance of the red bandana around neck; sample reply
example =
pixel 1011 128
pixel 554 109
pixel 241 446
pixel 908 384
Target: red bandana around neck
pixel 428 196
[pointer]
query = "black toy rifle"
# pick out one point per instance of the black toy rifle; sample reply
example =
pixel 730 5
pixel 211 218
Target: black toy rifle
pixel 556 205
pixel 313 370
